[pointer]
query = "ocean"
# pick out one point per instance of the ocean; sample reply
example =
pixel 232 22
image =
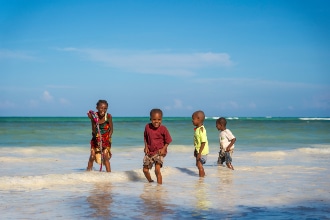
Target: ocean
pixel 282 171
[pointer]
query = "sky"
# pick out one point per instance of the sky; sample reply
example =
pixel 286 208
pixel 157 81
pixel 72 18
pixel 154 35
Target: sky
pixel 228 58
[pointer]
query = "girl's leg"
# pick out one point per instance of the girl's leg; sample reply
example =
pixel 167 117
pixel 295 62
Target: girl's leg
pixel 91 160
pixel 106 154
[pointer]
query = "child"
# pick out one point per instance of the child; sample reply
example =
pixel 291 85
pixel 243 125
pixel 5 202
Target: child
pixel 200 141
pixel 106 129
pixel 156 140
pixel 227 140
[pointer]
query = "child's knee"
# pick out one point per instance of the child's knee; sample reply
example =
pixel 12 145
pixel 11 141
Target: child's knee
pixel 157 167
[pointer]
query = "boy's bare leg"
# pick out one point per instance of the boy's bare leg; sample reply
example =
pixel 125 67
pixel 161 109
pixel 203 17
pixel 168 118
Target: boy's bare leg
pixel 200 168
pixel 158 173
pixel 230 166
pixel 147 173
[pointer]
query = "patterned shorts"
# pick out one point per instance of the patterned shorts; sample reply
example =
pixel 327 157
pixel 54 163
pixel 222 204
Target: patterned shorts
pixel 151 160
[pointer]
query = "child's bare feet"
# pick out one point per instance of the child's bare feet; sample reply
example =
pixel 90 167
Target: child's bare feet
pixel 230 166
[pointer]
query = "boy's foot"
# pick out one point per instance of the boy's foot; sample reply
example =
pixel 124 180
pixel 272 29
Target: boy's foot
pixel 230 166
pixel 151 181
pixel 88 169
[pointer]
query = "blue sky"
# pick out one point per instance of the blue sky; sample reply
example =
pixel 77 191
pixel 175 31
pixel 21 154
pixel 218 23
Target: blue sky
pixel 227 58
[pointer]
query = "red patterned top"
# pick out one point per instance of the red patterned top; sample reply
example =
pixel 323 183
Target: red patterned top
pixel 105 134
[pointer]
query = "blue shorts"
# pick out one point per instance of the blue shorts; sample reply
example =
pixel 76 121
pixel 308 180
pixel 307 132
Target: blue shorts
pixel 203 159
pixel 228 156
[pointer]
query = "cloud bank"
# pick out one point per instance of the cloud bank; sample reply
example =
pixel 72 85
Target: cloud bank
pixel 155 62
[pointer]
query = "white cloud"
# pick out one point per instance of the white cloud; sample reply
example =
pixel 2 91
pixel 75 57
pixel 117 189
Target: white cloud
pixel 7 104
pixel 254 82
pixel 178 105
pixel 33 103
pixel 16 55
pixel 252 105
pixel 155 62
pixel 60 87
pixel 228 105
pixel 64 101
pixel 47 97
pixel 319 101
pixel 233 104
pixel 67 49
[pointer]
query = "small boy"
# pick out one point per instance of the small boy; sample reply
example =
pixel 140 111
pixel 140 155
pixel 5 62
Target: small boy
pixel 227 140
pixel 156 140
pixel 200 141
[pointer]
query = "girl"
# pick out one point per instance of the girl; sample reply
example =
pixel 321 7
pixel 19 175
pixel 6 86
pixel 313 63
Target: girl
pixel 106 130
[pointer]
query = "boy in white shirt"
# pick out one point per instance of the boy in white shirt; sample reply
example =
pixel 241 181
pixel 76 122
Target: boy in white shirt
pixel 227 140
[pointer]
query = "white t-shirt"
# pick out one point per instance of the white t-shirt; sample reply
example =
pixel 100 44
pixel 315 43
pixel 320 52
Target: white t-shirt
pixel 225 137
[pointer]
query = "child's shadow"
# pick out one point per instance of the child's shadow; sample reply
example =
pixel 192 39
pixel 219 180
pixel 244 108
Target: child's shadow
pixel 187 171
pixel 133 176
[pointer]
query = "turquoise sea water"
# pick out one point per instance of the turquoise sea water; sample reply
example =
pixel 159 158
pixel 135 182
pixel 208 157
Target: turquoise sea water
pixel 252 133
pixel 282 171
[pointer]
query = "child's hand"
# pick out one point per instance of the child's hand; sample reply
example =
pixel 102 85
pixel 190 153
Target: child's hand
pixel 161 152
pixel 146 151
pixel 89 115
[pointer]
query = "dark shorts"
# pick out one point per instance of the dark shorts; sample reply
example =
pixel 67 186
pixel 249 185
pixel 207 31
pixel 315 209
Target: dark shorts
pixel 221 158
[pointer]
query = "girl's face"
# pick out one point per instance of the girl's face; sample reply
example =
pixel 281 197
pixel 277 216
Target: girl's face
pixel 102 108
pixel 156 119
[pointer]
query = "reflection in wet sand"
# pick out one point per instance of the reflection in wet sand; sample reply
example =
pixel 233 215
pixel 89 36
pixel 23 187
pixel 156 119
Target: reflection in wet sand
pixel 225 177
pixel 226 189
pixel 100 200
pixel 155 200
pixel 203 202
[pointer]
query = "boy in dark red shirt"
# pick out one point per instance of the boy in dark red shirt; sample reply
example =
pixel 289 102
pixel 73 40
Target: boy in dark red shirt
pixel 156 140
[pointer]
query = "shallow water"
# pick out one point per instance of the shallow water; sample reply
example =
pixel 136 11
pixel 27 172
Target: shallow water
pixel 282 179
pixel 273 187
